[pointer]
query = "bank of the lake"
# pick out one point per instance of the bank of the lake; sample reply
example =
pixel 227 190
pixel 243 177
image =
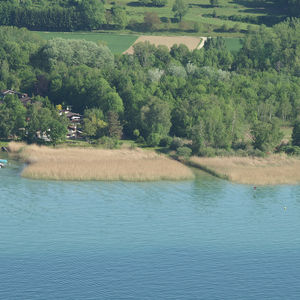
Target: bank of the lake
pixel 97 164
pixel 270 170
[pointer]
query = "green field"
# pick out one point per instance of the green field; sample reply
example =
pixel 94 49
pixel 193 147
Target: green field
pixel 233 44
pixel 117 43
pixel 200 11
pixel 209 18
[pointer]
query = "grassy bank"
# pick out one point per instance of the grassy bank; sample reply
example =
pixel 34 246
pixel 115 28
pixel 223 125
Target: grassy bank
pixel 97 164
pixel 275 169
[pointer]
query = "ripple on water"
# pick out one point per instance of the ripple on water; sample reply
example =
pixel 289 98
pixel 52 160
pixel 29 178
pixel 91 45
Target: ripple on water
pixel 201 239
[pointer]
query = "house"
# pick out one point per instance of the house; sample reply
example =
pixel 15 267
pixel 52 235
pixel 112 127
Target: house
pixel 75 119
pixel 22 96
pixel 75 122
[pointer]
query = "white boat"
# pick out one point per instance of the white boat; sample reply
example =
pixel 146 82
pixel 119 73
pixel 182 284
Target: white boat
pixel 3 162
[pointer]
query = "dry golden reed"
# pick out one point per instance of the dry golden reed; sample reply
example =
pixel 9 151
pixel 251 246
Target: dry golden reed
pixel 97 164
pixel 274 169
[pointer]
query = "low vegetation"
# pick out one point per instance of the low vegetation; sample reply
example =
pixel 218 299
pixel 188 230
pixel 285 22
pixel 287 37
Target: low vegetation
pixel 97 164
pixel 275 169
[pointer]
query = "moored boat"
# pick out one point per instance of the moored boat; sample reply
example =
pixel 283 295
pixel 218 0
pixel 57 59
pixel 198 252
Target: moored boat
pixel 3 162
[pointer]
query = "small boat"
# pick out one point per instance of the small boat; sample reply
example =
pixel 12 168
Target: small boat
pixel 3 162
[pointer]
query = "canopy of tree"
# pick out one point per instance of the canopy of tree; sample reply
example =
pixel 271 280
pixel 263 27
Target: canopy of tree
pixel 212 97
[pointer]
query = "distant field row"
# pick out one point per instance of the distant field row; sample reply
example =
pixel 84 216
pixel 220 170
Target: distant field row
pixel 118 43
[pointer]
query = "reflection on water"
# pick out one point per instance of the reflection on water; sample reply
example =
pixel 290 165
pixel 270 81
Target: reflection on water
pixel 201 239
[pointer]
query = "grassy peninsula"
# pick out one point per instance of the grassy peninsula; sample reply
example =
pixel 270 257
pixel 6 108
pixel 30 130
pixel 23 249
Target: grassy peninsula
pixel 97 164
pixel 275 169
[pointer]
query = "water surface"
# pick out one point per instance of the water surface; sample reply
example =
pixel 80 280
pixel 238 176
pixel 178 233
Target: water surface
pixel 200 239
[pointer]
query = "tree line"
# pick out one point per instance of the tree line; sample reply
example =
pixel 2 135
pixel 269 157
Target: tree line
pixel 211 100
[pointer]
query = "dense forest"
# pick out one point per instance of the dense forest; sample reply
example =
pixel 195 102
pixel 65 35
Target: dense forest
pixel 211 99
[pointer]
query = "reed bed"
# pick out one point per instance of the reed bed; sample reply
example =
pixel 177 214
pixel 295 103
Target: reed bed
pixel 274 169
pixel 97 164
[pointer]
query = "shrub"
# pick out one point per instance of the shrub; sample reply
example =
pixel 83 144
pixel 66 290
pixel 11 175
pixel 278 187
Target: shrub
pixel 184 152
pixel 109 143
pixel 207 151
pixel 176 143
pixel 166 141
pixel 256 152
pixel 153 139
pixel 224 28
pixel 196 27
pixel 159 2
pixel 291 150
pixel 136 133
pixel 296 134
pixel 140 140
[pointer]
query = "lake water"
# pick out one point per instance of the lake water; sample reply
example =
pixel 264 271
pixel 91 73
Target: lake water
pixel 201 239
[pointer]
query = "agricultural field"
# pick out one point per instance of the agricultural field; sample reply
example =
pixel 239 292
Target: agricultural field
pixel 211 19
pixel 191 42
pixel 117 43
pixel 122 43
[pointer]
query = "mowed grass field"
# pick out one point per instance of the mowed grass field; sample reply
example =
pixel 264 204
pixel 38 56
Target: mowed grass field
pixel 117 43
pixel 233 44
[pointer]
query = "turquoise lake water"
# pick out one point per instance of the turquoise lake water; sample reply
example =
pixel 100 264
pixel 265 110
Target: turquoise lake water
pixel 201 239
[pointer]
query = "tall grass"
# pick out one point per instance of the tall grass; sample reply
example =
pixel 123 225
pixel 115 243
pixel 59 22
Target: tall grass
pixel 275 169
pixel 97 164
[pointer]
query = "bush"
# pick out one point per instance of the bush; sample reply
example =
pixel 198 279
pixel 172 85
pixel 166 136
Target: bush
pixel 136 133
pixel 184 152
pixel 196 27
pixel 159 3
pixel 256 152
pixel 241 153
pixel 207 151
pixel 153 139
pixel 109 143
pixel 176 143
pixel 166 141
pixel 224 28
pixel 291 150
pixel 140 140
pixel 224 152
pixel 296 134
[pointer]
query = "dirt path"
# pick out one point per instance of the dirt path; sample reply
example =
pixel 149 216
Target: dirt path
pixel 204 39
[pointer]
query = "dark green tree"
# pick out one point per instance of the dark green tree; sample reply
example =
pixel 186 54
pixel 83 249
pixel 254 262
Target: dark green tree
pixel 180 9
pixel 266 136
pixel 296 134
pixel 12 117
pixel 93 123
pixel 115 129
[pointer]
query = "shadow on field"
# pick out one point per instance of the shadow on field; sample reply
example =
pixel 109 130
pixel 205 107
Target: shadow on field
pixel 260 7
pixel 139 4
pixel 200 5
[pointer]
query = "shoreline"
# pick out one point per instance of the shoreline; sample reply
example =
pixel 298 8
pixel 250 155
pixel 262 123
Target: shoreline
pixel 86 164
pixel 276 169
pixel 94 164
